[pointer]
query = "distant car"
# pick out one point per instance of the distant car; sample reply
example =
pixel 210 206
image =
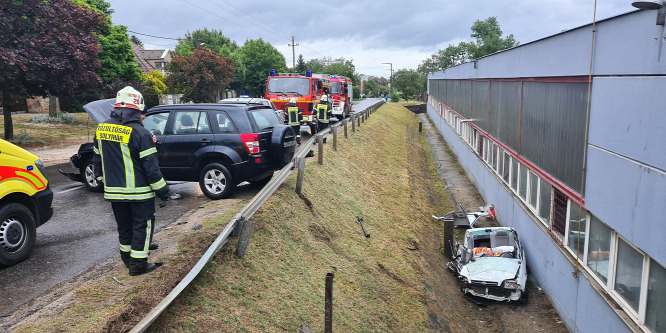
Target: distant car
pixel 217 145
pixel 253 101
pixel 491 263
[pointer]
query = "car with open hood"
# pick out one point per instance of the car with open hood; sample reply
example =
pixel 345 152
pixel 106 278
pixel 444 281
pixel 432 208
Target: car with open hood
pixel 491 263
pixel 218 145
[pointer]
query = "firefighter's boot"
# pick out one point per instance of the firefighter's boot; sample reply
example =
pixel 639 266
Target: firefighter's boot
pixel 140 266
pixel 125 256
pixel 153 246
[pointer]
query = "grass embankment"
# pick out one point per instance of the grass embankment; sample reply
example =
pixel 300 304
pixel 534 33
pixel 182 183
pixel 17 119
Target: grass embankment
pixel 378 174
pixel 383 173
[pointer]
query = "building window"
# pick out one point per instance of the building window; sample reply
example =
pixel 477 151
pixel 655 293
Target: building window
pixel 481 145
pixel 576 239
pixel 507 167
pixel 522 183
pixel 515 165
pixel 534 189
pixel 559 222
pixel 628 273
pixel 544 201
pixel 495 157
pixel 655 313
pixel 500 161
pixel 598 252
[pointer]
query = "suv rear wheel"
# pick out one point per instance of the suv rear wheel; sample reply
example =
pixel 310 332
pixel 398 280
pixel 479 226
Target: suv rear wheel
pixel 17 233
pixel 216 181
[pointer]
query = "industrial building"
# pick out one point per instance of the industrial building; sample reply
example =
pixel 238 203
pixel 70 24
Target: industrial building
pixel 566 136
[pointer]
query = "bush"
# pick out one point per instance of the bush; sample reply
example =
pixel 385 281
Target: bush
pixel 62 118
pixel 23 138
pixel 395 97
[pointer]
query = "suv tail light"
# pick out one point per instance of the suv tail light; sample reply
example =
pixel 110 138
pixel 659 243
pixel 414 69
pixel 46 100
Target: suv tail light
pixel 251 141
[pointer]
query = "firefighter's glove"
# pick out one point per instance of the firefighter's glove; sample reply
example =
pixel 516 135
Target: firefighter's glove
pixel 164 202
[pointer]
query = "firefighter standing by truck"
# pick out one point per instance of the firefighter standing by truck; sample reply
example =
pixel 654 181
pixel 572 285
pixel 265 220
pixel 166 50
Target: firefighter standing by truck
pixel 294 118
pixel 126 155
pixel 324 112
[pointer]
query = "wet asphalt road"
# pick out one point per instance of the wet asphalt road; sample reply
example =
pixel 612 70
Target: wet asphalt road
pixel 82 233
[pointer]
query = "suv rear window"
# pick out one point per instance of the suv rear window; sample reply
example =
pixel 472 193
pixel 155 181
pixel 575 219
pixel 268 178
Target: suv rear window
pixel 265 118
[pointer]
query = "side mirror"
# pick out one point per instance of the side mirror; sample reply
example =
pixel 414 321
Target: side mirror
pixel 319 85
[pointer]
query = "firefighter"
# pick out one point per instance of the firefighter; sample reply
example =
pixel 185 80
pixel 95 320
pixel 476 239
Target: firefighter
pixel 324 112
pixel 124 149
pixel 294 118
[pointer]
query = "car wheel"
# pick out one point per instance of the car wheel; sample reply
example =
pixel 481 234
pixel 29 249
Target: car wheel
pixel 17 233
pixel 524 297
pixel 88 175
pixel 283 145
pixel 216 182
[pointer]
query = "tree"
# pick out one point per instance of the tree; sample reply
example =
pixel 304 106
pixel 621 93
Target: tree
pixel 256 60
pixel 315 66
pixel 201 75
pixel 488 38
pixel 134 39
pixel 47 47
pixel 100 5
pixel 154 88
pixel 117 57
pixel 409 83
pixel 300 64
pixel 213 40
pixel 345 68
pixel 452 55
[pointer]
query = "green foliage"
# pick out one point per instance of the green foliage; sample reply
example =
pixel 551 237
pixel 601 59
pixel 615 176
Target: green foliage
pixel 155 88
pixel 315 66
pixel 99 5
pixel 256 59
pixel 409 82
pixel 395 96
pixel 134 39
pixel 375 86
pixel 201 75
pixel 213 40
pixel 488 40
pixel 488 36
pixel 300 64
pixel 23 138
pixel 117 57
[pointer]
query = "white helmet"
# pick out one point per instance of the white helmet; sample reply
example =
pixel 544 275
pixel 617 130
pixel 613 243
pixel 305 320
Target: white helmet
pixel 128 97
pixel 324 98
pixel 292 100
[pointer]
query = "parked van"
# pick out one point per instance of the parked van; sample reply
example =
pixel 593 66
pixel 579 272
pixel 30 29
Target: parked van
pixel 25 202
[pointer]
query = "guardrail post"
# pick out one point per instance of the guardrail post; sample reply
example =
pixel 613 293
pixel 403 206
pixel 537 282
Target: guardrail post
pixel 345 124
pixel 420 126
pixel 328 304
pixel 300 164
pixel 320 148
pixel 334 129
pixel 358 119
pixel 353 121
pixel 246 228
pixel 363 115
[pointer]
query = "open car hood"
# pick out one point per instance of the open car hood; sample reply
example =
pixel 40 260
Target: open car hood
pixel 100 110
pixel 491 269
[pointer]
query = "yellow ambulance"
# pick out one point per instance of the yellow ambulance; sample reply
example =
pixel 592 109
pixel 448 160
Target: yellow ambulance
pixel 25 202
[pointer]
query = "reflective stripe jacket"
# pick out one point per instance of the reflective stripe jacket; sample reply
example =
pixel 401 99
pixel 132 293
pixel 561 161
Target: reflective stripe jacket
pixel 126 156
pixel 293 116
pixel 323 112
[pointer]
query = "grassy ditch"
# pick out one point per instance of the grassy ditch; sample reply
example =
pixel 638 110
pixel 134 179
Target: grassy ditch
pixel 382 173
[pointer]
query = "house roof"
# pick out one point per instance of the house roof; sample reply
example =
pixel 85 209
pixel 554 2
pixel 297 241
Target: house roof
pixel 144 65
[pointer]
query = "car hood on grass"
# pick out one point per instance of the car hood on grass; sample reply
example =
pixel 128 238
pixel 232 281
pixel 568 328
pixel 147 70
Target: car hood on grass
pixel 491 269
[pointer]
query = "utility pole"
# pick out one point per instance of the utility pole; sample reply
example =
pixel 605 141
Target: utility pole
pixel 293 54
pixel 391 79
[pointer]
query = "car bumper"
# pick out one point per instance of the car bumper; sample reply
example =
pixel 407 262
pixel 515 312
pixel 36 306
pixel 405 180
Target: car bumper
pixel 44 199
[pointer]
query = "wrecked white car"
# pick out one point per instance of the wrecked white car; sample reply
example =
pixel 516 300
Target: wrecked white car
pixel 490 263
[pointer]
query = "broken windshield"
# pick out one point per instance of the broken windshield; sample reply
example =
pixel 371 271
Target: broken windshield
pixel 289 85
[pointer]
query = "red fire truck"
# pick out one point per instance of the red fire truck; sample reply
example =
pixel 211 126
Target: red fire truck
pixel 306 88
pixel 341 93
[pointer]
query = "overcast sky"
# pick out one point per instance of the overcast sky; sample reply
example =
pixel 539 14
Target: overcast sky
pixel 369 32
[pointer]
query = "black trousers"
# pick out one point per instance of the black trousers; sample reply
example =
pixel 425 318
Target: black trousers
pixel 135 222
pixel 321 126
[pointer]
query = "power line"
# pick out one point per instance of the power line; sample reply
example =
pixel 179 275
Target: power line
pixel 258 20
pixel 244 19
pixel 246 28
pixel 138 33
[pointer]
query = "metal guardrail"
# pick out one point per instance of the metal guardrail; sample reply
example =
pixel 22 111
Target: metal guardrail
pixel 242 216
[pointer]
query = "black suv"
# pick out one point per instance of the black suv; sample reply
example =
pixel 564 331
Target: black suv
pixel 219 145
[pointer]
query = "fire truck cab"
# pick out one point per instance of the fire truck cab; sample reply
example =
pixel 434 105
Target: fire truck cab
pixel 304 87
pixel 341 93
